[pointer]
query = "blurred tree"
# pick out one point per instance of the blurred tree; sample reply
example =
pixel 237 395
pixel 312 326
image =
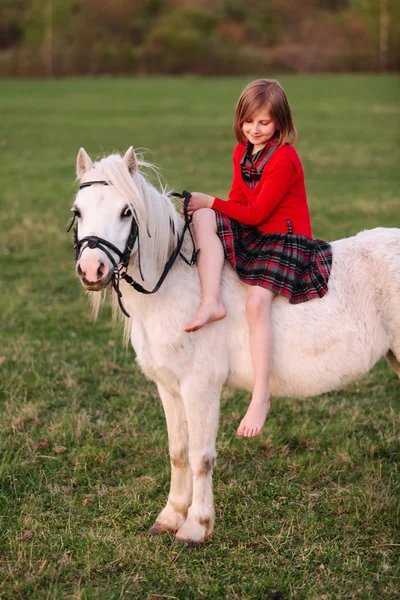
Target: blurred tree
pixel 204 36
pixel 180 40
pixel 48 20
pixel 11 23
pixel 148 14
pixel 333 5
pixel 382 21
pixel 42 15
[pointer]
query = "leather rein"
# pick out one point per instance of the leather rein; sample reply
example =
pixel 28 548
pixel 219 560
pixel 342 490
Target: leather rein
pixel 120 269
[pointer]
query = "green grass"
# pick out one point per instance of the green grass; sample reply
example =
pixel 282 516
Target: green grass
pixel 310 508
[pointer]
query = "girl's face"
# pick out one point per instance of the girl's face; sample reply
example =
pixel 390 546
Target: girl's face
pixel 259 128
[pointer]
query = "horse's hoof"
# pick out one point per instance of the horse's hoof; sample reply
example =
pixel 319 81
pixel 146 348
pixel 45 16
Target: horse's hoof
pixel 191 543
pixel 158 528
pixel 187 543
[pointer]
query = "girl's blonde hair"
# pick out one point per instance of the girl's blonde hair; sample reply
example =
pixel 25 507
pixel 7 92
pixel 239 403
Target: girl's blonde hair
pixel 265 94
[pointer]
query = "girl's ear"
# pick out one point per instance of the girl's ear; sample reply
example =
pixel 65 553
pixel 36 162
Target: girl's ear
pixel 83 163
pixel 130 160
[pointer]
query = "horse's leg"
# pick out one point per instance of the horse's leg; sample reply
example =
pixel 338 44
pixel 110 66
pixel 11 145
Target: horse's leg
pixel 172 517
pixel 393 362
pixel 201 399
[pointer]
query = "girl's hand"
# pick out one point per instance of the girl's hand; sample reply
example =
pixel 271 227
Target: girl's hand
pixel 197 201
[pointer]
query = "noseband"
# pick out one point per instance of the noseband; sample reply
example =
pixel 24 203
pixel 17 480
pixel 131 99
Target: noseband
pixel 93 241
pixel 120 269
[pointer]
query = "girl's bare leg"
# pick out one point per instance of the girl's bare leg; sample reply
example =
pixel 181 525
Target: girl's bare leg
pixel 258 309
pixel 210 262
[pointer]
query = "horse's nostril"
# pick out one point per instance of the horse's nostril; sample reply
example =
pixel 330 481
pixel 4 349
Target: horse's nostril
pixel 100 271
pixel 79 271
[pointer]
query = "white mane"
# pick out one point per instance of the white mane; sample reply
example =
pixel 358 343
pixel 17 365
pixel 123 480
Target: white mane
pixel 152 208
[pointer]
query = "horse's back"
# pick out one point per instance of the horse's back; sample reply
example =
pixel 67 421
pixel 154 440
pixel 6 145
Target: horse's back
pixel 325 343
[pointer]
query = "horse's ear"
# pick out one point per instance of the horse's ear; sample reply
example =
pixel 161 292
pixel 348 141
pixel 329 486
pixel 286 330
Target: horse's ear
pixel 83 163
pixel 130 160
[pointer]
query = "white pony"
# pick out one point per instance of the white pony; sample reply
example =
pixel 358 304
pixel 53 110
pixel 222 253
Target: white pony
pixel 319 346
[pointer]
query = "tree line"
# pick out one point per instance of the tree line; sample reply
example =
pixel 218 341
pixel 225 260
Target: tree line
pixel 208 37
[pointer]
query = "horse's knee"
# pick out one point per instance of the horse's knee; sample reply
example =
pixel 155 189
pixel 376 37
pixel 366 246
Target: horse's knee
pixel 179 458
pixel 203 464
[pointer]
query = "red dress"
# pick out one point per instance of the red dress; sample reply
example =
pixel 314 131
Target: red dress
pixel 265 225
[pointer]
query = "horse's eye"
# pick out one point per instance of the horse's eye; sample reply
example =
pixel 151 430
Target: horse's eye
pixel 76 212
pixel 126 213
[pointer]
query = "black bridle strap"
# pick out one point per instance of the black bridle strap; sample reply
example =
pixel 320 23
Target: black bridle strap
pixel 187 195
pixel 97 242
pixel 89 183
pixel 168 266
pixel 93 241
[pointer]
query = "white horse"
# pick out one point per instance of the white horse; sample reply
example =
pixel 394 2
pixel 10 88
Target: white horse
pixel 319 346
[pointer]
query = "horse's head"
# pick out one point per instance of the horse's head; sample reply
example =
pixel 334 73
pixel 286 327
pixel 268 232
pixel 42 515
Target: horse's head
pixel 106 219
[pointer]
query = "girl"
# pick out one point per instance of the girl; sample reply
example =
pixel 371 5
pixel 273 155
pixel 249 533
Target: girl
pixel 263 229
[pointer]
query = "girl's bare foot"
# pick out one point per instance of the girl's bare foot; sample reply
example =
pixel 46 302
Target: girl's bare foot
pixel 254 419
pixel 209 311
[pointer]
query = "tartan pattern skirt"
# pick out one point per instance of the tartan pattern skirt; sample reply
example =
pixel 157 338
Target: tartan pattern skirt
pixel 290 265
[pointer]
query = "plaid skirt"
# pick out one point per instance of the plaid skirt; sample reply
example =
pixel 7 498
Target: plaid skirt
pixel 290 265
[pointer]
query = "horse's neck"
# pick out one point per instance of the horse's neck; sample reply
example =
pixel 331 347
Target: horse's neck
pixel 157 242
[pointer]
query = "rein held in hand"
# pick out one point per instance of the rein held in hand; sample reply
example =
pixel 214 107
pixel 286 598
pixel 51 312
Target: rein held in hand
pixel 120 269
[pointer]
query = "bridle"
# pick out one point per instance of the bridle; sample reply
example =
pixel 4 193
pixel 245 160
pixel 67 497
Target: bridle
pixel 120 269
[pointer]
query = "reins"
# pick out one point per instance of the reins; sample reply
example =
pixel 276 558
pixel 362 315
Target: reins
pixel 120 269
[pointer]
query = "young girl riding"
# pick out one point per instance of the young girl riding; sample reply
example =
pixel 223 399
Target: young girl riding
pixel 263 229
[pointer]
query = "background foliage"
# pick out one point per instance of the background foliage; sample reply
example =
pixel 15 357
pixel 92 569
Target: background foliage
pixel 307 510
pixel 64 37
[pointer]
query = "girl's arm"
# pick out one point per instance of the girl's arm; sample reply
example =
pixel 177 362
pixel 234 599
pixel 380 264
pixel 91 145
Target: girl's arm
pixel 275 187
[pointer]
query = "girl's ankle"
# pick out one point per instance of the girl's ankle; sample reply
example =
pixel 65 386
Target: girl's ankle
pixel 211 300
pixel 263 398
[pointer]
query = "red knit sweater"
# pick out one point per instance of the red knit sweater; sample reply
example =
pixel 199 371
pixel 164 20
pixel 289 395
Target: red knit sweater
pixel 280 194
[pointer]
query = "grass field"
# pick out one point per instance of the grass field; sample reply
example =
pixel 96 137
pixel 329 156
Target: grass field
pixel 310 508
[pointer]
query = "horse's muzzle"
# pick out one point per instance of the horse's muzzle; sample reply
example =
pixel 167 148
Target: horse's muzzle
pixel 95 287
pixel 94 275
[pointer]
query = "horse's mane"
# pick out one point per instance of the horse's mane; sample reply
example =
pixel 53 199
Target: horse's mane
pixel 156 217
